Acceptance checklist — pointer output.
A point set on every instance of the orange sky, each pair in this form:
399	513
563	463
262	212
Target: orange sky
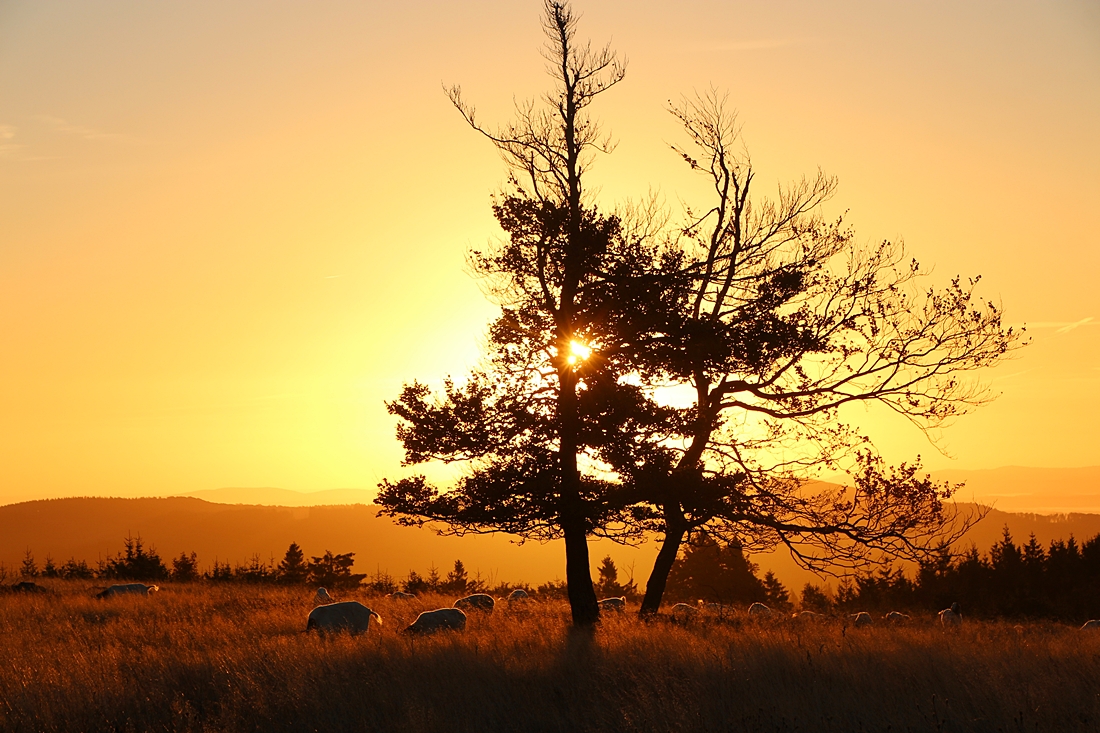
229	231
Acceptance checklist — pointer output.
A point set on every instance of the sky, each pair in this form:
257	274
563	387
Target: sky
229	231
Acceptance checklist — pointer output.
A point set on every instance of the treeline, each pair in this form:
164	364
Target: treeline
138	562
1061	581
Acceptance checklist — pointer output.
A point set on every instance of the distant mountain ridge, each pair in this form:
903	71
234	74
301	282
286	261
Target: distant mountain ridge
269	496
93	528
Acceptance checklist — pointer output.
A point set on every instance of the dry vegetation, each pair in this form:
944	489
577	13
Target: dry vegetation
199	657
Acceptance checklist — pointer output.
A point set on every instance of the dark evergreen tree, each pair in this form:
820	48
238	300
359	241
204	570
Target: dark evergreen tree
135	563
28	568
815	599
716	573
185	568
776	594
293	569
49	570
457	580
334	571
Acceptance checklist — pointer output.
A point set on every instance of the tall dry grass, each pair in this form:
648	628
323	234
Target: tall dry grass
213	658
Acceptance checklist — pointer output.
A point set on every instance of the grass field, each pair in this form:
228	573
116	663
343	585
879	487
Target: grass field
226	657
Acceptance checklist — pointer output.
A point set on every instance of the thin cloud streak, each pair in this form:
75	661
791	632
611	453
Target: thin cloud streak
60	125
756	45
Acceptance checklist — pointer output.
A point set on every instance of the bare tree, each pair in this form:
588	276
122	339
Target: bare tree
789	320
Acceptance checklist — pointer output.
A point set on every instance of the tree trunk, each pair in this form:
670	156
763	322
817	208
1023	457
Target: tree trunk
670	548
578	577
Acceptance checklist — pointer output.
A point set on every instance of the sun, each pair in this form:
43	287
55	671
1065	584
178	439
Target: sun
578	351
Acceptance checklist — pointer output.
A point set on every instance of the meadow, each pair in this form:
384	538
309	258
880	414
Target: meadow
228	657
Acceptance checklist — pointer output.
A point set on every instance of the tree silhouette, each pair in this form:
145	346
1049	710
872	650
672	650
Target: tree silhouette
541	420
715	573
293	568
334	571
185	568
788	320
771	316
135	563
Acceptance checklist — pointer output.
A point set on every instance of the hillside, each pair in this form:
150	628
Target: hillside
92	528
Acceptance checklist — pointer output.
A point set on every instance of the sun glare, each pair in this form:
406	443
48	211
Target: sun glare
577	352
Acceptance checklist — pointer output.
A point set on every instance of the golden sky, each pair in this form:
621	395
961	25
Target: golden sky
230	230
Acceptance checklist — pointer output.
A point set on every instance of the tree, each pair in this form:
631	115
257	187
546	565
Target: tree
531	421
774	318
293	569
712	572
608	584
28	568
790	319
775	593
457	579
185	568
815	599
135	563
334	571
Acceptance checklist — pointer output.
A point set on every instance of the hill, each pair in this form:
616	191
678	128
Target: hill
93	528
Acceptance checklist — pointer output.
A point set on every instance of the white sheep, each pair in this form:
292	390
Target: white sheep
951	616
806	615
139	589
322	596
1093	624
350	616
613	604
684	611
759	609
861	619
518	595
895	617
476	602
441	619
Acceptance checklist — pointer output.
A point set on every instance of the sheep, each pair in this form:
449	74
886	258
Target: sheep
806	615
441	619
476	602
400	596
613	604
27	587
684	611
139	589
1093	624
951	616
759	609
323	596
861	619
518	595
894	617
351	616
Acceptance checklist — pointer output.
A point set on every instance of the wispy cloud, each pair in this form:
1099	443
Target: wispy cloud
7	147
755	44
88	133
1065	326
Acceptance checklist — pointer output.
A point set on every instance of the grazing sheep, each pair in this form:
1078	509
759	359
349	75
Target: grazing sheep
613	604
476	602
861	619
806	615
350	616
684	611
401	596
759	609
518	595
951	616
139	589
894	617
27	587
323	596
441	619
1093	624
